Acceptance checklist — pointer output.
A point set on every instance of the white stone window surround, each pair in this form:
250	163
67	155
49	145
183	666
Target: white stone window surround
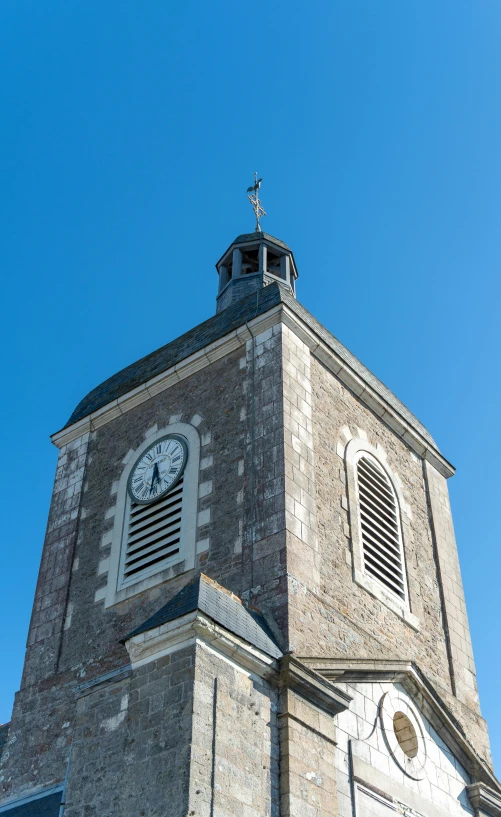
391	703
356	448
187	551
438	790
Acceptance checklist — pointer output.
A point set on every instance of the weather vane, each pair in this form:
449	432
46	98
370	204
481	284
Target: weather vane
254	200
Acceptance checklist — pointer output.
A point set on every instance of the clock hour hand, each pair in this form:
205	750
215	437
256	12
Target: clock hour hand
155	477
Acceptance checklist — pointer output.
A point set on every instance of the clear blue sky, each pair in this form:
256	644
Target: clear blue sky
130	131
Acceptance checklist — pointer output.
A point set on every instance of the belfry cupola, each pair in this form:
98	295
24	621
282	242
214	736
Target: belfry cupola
254	260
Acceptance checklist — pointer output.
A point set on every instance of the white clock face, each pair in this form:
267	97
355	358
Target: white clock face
158	469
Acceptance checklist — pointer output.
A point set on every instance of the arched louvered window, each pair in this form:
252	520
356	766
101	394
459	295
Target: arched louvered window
380	528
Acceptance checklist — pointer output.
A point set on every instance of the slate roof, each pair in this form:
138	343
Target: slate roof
224	608
217	327
47	806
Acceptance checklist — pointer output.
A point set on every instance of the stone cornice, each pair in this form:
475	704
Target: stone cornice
192	628
238	338
287	672
361	670
311	685
484	799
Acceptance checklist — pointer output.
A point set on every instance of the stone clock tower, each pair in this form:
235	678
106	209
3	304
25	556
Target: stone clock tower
249	599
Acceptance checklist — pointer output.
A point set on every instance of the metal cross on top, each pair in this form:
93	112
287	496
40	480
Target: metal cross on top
258	208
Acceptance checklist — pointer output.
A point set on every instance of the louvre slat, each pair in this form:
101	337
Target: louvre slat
162	511
153	563
380	571
388	582
381	543
371	477
379	498
142	511
377	495
377	558
146	560
379	508
379	525
391	564
371	465
165	535
166	521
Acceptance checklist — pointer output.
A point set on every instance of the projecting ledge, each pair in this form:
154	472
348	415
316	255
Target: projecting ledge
484	799
297	677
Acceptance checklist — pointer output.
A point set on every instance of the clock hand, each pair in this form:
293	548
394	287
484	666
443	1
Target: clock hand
155	477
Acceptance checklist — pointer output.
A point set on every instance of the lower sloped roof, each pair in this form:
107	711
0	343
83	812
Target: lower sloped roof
222	606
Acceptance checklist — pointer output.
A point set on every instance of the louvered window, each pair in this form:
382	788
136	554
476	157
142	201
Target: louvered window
153	535
380	526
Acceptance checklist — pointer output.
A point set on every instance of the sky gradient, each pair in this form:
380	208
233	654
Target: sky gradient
130	133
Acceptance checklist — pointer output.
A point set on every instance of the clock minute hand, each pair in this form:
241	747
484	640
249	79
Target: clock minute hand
155	477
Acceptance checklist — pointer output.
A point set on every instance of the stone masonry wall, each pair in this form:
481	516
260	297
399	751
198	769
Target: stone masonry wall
39	741
212	401
308	783
131	746
303	558
234	756
356	624
456	619
264	578
39	736
240	540
280	538
49	607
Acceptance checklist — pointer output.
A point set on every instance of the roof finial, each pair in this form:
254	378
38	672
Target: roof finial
254	200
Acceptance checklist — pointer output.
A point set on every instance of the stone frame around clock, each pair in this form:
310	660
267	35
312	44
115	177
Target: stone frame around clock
185	560
184	444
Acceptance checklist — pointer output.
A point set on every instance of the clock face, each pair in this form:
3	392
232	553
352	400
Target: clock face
158	469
